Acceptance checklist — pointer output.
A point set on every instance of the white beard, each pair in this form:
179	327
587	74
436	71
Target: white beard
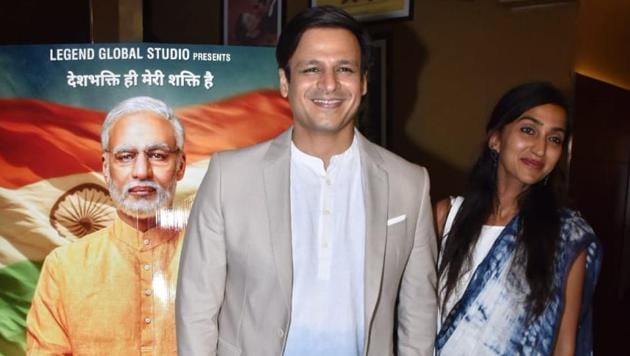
143	207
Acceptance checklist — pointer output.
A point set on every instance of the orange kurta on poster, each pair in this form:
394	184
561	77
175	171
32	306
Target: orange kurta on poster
112	292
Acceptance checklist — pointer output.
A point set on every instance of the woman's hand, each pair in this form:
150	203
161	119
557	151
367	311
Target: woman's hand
565	343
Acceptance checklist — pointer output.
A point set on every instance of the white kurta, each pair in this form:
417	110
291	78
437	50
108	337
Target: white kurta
328	242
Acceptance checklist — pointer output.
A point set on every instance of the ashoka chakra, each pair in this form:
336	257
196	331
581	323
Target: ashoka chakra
82	210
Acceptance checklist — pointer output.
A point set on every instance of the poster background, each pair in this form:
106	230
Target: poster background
50	139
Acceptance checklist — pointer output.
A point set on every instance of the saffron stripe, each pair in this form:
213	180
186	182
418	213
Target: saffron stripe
40	140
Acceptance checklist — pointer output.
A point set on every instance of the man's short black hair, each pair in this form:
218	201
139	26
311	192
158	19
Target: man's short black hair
318	17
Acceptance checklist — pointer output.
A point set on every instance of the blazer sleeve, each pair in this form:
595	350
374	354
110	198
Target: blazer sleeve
46	331
202	270
417	308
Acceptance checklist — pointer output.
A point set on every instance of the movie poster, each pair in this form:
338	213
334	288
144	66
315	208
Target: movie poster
53	99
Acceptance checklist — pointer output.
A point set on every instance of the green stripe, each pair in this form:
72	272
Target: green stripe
17	284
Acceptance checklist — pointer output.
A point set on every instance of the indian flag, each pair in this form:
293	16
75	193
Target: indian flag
52	191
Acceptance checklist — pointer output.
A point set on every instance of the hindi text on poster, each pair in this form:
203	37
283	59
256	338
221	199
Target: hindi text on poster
107	78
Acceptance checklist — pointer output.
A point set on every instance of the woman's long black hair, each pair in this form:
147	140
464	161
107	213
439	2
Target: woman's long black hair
538	206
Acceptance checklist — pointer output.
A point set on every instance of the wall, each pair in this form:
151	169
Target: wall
603	50
453	62
190	21
33	21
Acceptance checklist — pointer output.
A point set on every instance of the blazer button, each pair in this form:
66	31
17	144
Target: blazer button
280	332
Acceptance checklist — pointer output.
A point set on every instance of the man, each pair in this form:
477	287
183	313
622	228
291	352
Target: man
317	242
113	291
258	24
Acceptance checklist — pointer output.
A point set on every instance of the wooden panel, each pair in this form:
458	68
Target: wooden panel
34	21
192	21
599	189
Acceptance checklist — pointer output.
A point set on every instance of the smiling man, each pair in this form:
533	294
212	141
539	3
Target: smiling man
113	291
316	242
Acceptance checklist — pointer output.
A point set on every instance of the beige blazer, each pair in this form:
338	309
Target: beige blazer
235	277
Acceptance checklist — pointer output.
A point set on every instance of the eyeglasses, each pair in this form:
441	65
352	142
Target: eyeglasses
156	156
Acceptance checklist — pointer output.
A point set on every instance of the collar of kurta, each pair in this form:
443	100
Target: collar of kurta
139	240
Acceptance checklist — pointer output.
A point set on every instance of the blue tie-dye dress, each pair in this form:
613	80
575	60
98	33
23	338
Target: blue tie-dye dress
491	316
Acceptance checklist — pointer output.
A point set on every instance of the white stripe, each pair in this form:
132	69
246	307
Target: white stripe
25	229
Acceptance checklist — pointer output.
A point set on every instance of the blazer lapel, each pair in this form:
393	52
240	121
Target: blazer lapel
375	195
277	194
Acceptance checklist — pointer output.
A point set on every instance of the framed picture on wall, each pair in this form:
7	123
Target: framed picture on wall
372	10
373	118
251	22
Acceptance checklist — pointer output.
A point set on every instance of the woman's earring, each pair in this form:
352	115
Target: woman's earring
494	155
546	180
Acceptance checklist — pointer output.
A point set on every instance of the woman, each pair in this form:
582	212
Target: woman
517	271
